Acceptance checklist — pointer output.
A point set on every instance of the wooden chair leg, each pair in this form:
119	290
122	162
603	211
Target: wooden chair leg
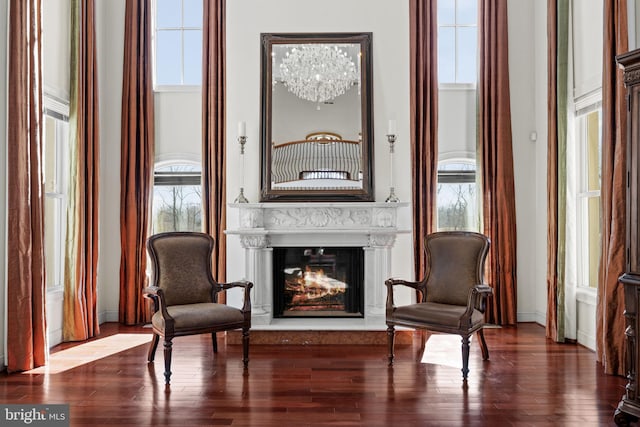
245	347
152	347
167	359
391	332
483	345
465	357
214	340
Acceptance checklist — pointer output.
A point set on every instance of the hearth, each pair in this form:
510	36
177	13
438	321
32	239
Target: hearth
318	282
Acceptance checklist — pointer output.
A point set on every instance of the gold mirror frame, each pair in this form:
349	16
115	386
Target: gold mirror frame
365	191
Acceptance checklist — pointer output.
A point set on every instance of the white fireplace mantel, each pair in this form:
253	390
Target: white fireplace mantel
372	226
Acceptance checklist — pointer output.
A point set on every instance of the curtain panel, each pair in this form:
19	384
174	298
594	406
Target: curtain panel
496	160
214	161
610	322
81	261
136	163
423	32
557	69
26	321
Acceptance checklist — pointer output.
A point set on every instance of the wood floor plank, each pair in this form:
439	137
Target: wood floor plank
529	381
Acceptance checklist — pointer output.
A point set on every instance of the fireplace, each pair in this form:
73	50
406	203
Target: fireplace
368	229
318	282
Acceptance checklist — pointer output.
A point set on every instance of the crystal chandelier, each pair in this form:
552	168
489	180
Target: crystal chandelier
318	72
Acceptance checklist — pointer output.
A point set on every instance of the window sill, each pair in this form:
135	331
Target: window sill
467	87
177	88
586	295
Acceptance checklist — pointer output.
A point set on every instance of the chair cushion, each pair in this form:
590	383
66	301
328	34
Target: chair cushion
436	314
202	315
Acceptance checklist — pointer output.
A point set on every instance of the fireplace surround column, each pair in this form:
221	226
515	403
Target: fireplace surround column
258	270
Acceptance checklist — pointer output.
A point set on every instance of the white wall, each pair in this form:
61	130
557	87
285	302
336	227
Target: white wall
523	122
110	39
539	225
388	21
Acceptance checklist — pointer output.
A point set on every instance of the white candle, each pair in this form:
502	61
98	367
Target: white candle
392	127
242	129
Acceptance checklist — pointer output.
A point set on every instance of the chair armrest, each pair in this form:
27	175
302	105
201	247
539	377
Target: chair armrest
246	308
477	300
390	283
156	294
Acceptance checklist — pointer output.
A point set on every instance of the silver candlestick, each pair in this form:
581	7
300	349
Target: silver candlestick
392	195
241	199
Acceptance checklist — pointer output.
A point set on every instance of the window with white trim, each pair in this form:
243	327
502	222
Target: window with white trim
55	140
178	43
589	142
177	198
457	41
457	196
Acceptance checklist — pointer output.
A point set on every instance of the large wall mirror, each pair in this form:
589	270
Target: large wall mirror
317	139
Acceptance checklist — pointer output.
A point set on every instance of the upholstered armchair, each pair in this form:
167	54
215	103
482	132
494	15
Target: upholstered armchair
185	294
452	296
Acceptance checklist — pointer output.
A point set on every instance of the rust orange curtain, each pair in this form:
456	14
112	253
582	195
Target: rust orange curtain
496	160
610	322
136	163
424	123
26	320
214	162
80	293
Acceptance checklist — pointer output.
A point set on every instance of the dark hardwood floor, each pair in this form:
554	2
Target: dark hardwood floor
529	381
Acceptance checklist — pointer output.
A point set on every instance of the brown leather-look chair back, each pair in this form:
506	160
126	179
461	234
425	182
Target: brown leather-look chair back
455	265
182	265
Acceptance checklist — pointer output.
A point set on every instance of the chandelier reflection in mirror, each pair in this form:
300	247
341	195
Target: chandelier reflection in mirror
318	72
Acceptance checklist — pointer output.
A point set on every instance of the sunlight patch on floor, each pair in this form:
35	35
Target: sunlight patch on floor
91	351
443	349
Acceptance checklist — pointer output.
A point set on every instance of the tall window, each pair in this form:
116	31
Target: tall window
177	198
456	197
178	42
588	206
55	141
457	41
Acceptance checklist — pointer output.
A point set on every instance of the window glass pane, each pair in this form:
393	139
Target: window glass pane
192	13
446	12
593	237
457	201
467	12
168	13
177	207
593	151
168	57
51	241
193	57
50	156
466	60
457	207
446	52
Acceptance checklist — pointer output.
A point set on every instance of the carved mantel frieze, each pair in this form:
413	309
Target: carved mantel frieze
277	217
